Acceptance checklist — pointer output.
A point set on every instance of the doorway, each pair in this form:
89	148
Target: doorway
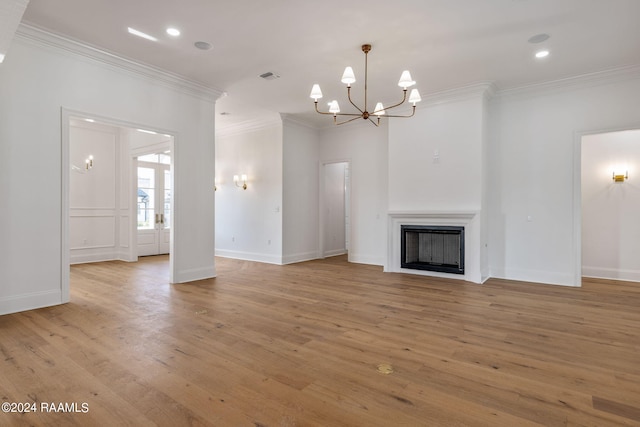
99	213
610	202
335	208
154	190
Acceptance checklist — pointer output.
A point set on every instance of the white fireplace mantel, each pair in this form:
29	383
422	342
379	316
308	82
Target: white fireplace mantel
467	219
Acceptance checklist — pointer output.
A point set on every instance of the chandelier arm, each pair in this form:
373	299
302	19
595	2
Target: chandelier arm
335	114
376	124
347	121
352	103
404	98
410	115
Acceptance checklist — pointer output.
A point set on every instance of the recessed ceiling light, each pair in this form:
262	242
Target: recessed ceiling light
203	45
542	54
141	34
89	120
173	32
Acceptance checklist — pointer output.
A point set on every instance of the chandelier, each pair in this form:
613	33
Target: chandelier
379	110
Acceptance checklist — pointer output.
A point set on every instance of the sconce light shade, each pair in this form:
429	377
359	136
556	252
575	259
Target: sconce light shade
620	177
237	180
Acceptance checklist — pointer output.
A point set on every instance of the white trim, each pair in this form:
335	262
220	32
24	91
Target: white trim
608	76
296	121
250	256
611	274
577	195
535	276
299	257
334	252
65	45
30	301
247	126
366	259
95	257
193	275
462	93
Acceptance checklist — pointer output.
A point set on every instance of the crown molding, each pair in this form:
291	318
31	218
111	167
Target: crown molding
292	119
463	93
40	37
247	126
602	77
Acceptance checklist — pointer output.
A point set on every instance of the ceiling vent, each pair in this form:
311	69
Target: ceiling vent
269	76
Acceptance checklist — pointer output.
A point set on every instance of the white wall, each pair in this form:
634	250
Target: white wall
365	147
610	220
435	158
534	166
44	74
249	222
300	192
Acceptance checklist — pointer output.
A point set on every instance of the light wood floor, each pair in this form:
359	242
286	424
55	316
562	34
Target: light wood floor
303	345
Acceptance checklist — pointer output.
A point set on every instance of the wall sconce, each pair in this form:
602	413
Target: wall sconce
88	164
620	177
237	180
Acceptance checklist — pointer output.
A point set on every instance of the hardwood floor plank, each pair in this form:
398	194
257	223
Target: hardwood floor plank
269	345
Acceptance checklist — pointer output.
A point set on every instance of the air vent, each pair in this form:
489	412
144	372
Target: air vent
269	76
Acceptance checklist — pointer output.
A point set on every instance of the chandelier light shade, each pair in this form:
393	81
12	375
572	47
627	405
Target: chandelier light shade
348	78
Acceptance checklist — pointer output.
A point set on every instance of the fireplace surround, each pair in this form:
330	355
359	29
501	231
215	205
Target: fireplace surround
469	220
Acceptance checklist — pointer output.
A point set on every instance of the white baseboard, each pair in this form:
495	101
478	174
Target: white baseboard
366	259
250	256
334	252
191	275
611	273
300	257
536	276
30	301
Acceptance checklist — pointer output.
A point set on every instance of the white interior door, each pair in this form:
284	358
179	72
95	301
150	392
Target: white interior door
154	204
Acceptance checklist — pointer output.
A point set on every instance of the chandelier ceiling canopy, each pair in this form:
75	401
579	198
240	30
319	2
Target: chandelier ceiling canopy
348	77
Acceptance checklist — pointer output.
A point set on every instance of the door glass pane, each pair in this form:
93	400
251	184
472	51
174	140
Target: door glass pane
164	158
167	199
146	198
151	158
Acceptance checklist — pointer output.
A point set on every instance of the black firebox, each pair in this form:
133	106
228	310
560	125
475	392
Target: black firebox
432	248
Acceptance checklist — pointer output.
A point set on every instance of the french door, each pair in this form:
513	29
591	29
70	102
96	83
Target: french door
154	204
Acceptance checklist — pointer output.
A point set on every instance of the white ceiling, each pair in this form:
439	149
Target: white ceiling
444	43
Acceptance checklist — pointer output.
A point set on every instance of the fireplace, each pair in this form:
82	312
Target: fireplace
432	248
